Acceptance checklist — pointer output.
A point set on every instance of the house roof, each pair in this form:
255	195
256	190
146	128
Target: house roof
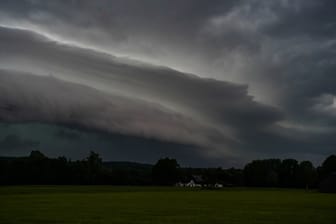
197	178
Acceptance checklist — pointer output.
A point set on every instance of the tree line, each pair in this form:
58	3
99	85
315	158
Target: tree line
39	169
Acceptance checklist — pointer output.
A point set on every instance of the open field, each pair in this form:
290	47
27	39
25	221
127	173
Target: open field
104	204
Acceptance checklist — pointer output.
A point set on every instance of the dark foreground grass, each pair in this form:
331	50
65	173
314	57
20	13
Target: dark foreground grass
103	204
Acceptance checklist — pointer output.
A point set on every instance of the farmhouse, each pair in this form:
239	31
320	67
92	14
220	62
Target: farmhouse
194	181
198	181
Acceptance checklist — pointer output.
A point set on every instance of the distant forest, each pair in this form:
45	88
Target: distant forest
39	169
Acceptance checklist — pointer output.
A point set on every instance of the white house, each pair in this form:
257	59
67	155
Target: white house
218	185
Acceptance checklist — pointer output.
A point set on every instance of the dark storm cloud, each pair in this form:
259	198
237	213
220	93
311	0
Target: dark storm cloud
14	142
135	98
46	99
220	101
312	18
287	57
280	52
112	147
68	135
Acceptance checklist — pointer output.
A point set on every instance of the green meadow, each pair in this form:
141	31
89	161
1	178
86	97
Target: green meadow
105	204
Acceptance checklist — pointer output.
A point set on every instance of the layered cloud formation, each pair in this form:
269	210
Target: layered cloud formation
229	79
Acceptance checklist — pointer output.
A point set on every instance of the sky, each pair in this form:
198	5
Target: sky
210	83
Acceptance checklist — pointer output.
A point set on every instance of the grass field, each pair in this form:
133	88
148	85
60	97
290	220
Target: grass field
104	204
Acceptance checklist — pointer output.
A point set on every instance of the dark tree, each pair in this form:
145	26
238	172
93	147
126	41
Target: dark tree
94	167
328	166
306	174
262	173
327	175
39	169
166	172
288	172
95	163
37	155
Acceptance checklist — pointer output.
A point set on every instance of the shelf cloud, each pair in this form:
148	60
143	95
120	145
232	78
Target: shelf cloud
231	80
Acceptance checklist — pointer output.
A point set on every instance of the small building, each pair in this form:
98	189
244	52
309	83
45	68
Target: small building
218	185
192	183
180	184
195	181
